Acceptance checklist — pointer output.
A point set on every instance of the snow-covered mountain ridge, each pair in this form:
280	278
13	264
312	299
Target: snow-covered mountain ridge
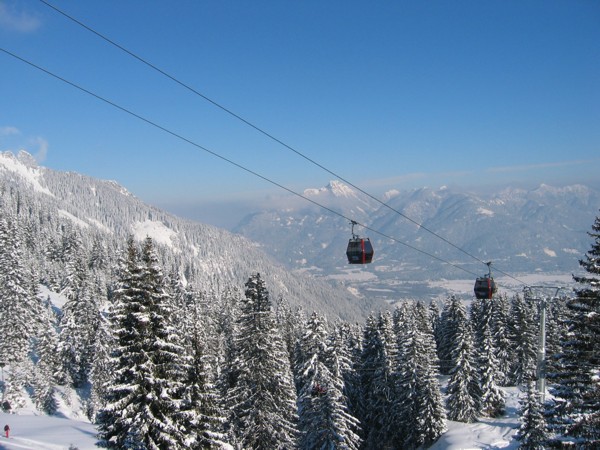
523	232
210	257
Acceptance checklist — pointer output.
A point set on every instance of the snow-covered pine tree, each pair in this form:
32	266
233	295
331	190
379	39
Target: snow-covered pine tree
556	329
20	311
103	367
377	387
346	342
523	331
19	308
202	400
324	421
227	315
532	433
98	260
263	397
291	323
49	369
418	407
448	329
502	342
492	397
78	327
464	393
143	404
435	319
577	390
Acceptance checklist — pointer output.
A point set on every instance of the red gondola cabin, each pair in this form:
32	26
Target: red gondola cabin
359	251
485	287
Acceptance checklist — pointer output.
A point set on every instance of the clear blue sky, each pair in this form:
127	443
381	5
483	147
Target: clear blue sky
390	95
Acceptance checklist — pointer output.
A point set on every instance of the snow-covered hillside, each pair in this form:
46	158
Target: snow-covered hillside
105	211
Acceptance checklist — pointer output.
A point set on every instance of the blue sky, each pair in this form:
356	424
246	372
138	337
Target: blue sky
389	95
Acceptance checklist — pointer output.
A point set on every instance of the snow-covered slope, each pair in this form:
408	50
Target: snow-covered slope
213	258
53	433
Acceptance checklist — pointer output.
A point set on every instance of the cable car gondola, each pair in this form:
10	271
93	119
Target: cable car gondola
360	250
485	286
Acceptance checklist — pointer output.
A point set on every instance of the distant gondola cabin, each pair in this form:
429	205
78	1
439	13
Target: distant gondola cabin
485	287
359	251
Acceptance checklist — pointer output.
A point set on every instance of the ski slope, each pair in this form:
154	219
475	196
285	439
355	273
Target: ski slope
34	432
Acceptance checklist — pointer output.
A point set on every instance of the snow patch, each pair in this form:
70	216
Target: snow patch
354	291
100	225
72	218
158	231
32	175
120	189
353	275
57	300
487	433
485	212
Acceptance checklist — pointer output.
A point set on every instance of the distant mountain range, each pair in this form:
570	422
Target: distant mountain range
213	259
537	234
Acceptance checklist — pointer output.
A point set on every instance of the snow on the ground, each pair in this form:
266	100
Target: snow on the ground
38	432
46	433
486	434
157	230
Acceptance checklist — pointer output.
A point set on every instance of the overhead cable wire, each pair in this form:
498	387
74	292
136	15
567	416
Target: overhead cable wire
268	135
265	133
221	157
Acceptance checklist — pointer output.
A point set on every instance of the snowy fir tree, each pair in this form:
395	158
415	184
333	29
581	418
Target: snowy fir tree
19	308
102	368
144	399
523	331
464	393
345	342
492	397
291	323
227	318
532	433
448	330
263	397
49	369
576	407
202	399
377	387
418	407
556	330
20	312
324	421
79	323
435	319
502	340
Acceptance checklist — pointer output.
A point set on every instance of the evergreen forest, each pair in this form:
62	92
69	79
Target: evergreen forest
162	362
